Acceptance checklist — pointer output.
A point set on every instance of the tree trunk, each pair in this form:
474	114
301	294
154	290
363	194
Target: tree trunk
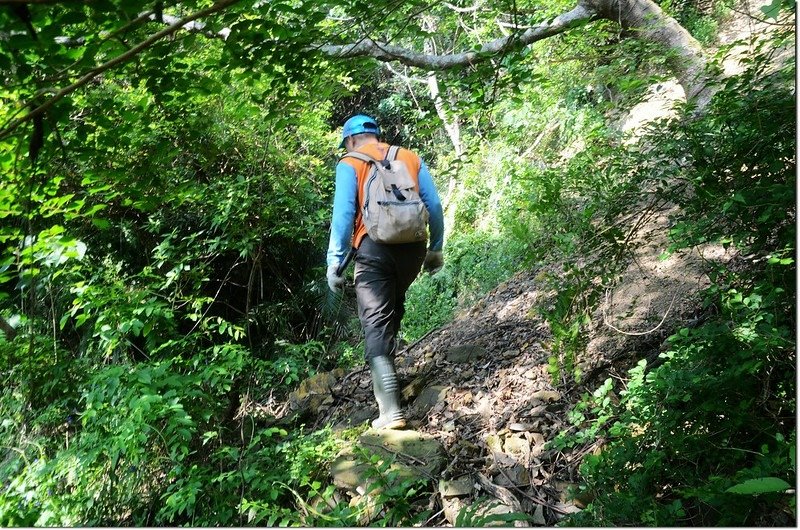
453	129
6	328
645	19
451	124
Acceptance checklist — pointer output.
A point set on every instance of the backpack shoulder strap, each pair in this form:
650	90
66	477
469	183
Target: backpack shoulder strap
359	156
392	154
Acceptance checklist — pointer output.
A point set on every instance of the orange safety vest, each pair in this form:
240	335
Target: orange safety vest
363	169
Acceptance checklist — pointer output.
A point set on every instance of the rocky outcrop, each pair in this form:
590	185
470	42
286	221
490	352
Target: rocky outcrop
313	395
408	455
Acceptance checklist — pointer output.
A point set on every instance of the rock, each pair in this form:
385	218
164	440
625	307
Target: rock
457	487
452	506
519	447
546	395
480	514
516	475
415	455
413	389
538	516
428	398
494	443
315	391
510	354
357	417
466	353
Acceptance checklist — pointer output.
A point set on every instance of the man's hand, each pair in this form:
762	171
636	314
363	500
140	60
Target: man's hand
335	282
434	260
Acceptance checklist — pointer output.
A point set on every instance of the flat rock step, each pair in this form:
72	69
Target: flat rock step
413	455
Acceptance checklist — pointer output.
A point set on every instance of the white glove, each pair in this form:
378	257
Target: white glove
434	260
334	282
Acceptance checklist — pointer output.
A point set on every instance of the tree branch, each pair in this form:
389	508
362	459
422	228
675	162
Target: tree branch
44	2
407	79
120	59
141	18
457	9
789	19
388	52
192	27
196	27
644	18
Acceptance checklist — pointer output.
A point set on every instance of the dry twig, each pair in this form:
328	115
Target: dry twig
635	333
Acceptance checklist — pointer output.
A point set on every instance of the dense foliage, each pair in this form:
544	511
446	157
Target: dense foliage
706	434
163	229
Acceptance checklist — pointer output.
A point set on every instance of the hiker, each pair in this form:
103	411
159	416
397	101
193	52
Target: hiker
383	271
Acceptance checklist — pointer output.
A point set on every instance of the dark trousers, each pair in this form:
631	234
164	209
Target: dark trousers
383	274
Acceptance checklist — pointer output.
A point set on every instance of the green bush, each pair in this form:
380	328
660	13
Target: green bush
705	435
474	264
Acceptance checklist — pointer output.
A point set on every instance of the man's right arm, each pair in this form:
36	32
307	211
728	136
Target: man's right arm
344	213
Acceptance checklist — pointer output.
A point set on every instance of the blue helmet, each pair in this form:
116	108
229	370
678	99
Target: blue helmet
359	124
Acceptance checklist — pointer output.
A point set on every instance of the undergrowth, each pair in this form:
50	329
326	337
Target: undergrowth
706	436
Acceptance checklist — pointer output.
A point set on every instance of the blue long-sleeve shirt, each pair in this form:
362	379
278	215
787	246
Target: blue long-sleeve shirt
345	198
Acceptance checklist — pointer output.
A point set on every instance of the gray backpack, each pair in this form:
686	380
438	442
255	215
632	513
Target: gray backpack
393	211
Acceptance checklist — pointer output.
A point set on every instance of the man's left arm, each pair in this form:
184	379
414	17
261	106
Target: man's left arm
429	195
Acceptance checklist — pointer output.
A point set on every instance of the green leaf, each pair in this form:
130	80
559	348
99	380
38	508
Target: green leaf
758	486
772	10
102	224
143	376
